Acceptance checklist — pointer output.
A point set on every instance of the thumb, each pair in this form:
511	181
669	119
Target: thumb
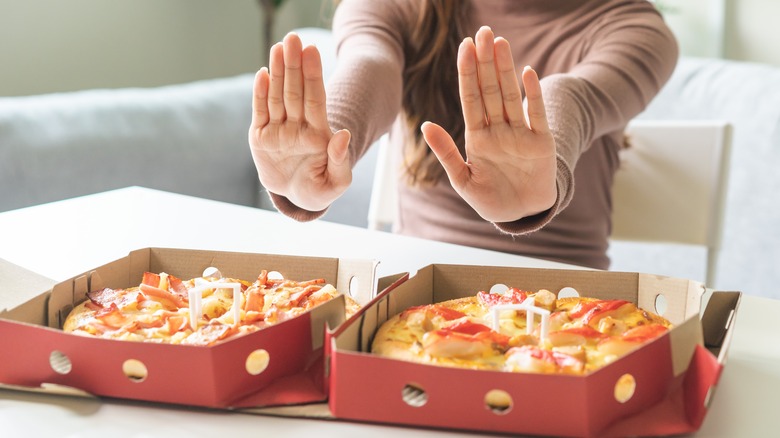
339	164
445	149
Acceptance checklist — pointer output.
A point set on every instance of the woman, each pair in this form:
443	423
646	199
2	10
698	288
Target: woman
475	170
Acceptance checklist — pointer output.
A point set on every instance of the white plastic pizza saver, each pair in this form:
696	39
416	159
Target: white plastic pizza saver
530	311
196	293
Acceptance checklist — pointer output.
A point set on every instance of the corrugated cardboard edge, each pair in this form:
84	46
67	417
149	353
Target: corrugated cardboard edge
718	321
21	288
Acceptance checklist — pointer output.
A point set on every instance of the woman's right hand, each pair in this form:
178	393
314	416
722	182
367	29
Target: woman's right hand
296	153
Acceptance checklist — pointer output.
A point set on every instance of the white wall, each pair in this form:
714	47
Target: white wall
62	45
744	30
753	31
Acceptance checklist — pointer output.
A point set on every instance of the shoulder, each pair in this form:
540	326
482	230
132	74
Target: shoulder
386	15
632	19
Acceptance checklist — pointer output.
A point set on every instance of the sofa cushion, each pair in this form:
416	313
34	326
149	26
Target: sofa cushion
189	138
748	96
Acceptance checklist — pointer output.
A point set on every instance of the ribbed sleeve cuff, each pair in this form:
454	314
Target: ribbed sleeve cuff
291	210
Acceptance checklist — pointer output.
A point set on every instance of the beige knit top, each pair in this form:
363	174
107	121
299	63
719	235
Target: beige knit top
600	64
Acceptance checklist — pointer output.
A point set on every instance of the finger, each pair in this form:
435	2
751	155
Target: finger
276	110
339	165
260	99
314	108
293	77
537	115
446	151
468	86
488	79
510	87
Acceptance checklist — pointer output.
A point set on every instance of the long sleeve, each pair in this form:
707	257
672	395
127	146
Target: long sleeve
364	91
630	55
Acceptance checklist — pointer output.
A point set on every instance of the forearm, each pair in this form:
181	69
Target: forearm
601	95
365	92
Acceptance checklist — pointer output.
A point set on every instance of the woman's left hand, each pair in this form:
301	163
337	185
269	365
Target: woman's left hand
510	167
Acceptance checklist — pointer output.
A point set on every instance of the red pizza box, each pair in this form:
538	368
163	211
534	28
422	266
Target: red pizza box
673	376
279	365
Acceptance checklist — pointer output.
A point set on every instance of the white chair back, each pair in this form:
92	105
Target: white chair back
671	185
383	206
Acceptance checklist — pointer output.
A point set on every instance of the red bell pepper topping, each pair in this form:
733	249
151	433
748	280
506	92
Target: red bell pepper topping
473	331
588	310
586	332
644	333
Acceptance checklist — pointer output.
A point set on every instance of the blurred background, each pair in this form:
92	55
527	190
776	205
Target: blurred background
53	45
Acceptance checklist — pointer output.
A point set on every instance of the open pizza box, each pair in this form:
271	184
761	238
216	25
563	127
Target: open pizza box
674	376
279	365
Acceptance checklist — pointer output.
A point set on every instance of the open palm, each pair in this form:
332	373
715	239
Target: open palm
295	152
510	167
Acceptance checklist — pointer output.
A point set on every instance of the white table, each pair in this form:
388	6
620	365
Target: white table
62	239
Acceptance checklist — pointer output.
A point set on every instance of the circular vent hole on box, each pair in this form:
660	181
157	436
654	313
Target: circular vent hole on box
625	388
414	395
212	272
661	304
499	289
257	361
135	370
275	275
354	286
60	363
498	401
568	292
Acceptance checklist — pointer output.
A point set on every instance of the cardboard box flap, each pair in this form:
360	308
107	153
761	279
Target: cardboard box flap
684	339
18	285
356	273
718	322
675	299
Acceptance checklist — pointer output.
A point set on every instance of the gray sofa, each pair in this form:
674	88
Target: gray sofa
192	139
189	138
748	96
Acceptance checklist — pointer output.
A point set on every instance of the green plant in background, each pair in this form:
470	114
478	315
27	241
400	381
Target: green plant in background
269	15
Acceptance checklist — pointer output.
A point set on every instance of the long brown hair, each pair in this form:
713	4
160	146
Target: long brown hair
431	84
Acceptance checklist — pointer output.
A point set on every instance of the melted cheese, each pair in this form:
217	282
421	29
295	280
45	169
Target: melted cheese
146	319
580	341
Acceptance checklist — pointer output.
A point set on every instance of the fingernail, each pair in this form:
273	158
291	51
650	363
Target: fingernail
526	68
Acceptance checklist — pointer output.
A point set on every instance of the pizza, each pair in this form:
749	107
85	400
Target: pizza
490	331
200	311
